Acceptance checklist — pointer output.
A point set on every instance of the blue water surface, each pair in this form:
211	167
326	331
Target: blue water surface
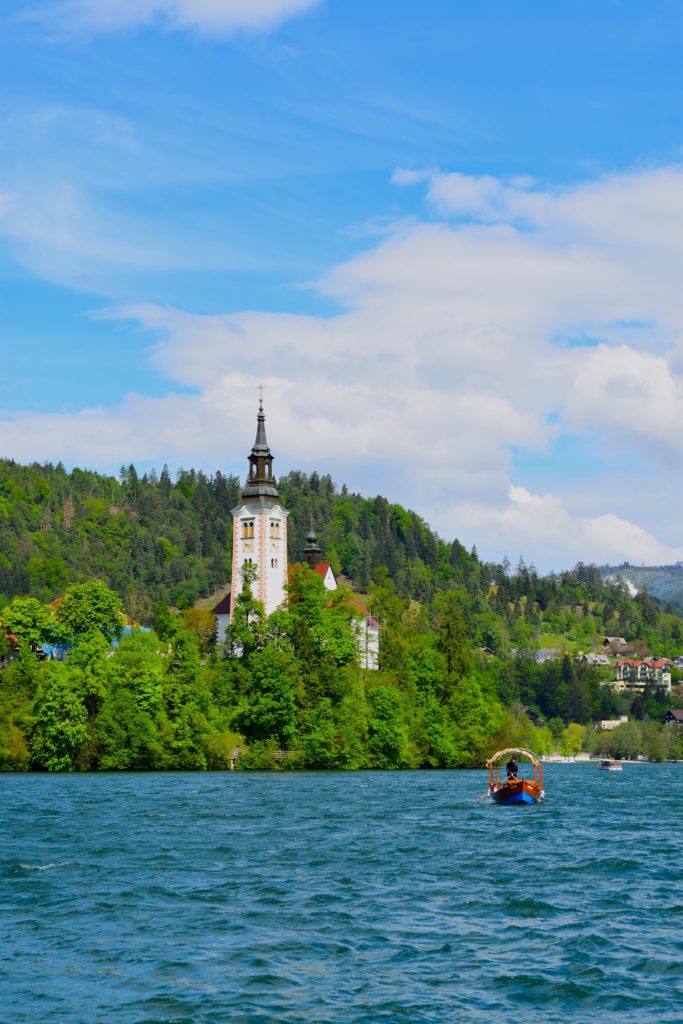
252	898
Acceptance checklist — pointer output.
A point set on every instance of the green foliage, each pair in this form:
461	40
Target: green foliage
321	742
269	710
387	733
318	623
15	726
246	632
28	620
126	735
203	625
90	607
288	689
59	723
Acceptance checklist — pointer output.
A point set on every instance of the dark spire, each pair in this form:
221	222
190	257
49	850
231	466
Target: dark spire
260	444
260	480
312	552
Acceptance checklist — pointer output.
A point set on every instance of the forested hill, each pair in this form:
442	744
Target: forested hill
154	539
663	582
157	539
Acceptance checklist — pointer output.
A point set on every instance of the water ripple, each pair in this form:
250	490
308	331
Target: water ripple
253	898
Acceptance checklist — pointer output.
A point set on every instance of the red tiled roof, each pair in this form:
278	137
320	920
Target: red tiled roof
647	663
321	569
369	618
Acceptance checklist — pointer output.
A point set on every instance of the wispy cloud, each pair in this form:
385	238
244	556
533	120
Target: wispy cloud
215	17
73	181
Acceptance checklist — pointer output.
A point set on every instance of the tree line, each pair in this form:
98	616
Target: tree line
286	690
458	670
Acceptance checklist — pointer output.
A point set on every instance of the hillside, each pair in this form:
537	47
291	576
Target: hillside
663	582
465	647
153	539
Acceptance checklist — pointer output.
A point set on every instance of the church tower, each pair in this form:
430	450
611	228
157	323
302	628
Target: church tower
259	528
312	552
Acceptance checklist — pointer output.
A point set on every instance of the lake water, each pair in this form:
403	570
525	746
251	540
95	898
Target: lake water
253	898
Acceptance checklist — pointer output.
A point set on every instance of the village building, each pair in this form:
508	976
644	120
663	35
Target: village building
673	717
597	660
631	674
614	644
608	724
540	655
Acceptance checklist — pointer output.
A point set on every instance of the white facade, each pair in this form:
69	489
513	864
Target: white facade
260	538
365	629
222	623
608	724
329	581
367	640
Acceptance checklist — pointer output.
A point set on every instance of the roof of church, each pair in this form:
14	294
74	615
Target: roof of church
367	615
260	446
223	606
321	569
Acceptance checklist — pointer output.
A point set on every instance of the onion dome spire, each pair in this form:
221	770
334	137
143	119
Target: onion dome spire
312	552
260	479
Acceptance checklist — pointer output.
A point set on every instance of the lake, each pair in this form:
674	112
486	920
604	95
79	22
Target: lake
250	898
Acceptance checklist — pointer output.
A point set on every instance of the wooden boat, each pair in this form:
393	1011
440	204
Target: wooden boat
519	790
610	764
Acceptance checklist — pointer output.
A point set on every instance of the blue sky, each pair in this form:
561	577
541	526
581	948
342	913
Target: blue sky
451	228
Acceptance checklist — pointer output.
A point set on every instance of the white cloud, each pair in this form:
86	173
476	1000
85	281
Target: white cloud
529	522
209	16
452	352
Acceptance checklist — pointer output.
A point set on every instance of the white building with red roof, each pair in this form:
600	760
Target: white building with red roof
366	627
633	674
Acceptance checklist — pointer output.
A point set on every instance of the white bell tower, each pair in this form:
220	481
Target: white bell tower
259	528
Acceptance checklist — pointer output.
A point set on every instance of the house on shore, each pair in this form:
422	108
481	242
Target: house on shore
634	675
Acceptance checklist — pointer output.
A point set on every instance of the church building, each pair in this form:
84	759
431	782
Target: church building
259	539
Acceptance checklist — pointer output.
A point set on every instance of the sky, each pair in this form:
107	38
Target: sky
446	237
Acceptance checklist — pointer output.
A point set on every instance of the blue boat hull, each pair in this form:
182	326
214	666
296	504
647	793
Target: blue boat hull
521	791
515	798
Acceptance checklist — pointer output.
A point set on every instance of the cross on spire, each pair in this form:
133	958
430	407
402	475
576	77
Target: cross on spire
260	390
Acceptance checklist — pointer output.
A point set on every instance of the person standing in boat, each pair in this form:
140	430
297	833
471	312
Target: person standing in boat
512	768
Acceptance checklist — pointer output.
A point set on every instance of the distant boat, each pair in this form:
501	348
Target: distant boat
609	764
515	790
